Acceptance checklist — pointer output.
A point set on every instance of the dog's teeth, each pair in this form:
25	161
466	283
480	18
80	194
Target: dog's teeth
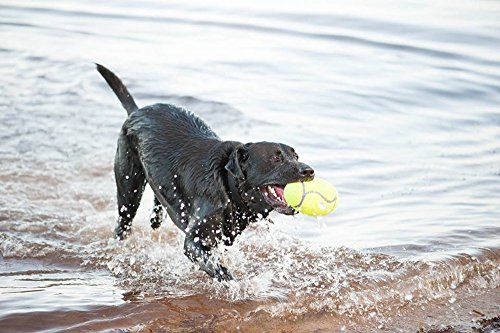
271	189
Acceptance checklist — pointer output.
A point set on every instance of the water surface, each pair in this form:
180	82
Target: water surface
394	102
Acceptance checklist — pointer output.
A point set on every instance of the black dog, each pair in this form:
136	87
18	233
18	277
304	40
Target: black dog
211	189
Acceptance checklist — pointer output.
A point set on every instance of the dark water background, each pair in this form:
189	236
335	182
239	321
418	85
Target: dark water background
397	103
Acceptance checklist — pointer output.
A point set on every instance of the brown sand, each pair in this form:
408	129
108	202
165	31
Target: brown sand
477	313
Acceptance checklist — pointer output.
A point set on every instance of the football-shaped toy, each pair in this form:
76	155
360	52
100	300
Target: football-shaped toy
315	198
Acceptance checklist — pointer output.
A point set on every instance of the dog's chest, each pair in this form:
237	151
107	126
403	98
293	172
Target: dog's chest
235	223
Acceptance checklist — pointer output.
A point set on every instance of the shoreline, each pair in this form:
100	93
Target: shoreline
440	316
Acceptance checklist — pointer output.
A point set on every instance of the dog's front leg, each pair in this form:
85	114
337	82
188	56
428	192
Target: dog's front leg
201	237
201	255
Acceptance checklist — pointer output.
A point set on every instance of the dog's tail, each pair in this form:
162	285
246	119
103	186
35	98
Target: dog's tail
119	88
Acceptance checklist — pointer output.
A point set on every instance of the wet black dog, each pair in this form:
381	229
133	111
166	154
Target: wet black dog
211	189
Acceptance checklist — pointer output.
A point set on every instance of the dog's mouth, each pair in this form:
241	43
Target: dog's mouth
273	195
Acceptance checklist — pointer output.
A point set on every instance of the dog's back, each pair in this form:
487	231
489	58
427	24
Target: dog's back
156	145
167	120
168	139
186	122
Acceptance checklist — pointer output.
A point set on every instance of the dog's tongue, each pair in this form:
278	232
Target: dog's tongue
279	191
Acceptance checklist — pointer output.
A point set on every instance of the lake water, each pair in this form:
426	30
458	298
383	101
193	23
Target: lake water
397	103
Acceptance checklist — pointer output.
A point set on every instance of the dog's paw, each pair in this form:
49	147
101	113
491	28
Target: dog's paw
155	222
156	217
121	233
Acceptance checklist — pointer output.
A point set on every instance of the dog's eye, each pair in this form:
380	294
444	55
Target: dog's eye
277	158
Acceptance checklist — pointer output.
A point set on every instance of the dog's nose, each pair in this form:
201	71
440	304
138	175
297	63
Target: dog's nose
306	171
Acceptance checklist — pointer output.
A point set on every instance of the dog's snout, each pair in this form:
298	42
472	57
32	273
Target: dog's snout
306	171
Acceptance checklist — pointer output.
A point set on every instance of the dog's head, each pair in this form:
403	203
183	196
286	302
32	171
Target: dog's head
262	170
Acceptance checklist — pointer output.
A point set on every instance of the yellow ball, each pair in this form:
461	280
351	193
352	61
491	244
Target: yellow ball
315	198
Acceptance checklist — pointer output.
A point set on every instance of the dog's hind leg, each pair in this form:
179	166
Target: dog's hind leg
157	214
130	183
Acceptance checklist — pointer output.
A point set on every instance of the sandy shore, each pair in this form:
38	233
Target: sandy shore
478	313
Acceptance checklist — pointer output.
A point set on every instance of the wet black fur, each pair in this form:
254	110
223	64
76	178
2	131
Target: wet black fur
210	188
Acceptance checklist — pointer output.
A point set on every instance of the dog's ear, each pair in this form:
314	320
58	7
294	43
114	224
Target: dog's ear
236	159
